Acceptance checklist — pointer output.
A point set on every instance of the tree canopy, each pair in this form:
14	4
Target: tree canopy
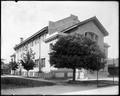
76	51
27	61
13	65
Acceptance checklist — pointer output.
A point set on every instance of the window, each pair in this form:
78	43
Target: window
20	55
96	37
23	48
42	62
37	63
36	41
50	47
32	43
20	49
92	36
43	37
26	47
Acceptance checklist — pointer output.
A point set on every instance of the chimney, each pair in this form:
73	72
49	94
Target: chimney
21	40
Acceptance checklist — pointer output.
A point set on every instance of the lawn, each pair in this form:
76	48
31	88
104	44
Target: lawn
14	82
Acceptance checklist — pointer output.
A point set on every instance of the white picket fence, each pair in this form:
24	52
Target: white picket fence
53	74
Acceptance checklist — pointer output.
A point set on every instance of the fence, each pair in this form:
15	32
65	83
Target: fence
53	74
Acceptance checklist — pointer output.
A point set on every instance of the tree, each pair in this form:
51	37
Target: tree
5	67
76	51
2	66
13	65
27	61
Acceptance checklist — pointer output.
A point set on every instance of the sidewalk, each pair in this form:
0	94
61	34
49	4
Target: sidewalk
63	89
100	91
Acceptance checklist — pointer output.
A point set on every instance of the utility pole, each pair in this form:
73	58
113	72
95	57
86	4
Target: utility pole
39	53
97	78
113	70
97	73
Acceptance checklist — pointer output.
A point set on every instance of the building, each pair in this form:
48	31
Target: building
13	57
113	67
5	69
41	41
113	62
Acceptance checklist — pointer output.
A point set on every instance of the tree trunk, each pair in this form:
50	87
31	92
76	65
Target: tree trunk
27	73
14	72
74	73
20	72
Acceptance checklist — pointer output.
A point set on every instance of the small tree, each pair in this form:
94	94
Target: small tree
13	66
27	61
76	51
2	66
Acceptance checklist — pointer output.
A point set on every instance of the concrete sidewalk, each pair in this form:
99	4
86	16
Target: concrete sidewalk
99	91
63	89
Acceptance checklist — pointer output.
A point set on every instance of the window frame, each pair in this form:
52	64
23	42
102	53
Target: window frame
43	62
92	36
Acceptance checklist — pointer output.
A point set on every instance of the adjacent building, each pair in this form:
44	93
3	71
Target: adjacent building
113	67
41	41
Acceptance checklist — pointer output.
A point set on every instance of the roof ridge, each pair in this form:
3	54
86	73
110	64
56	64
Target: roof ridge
38	32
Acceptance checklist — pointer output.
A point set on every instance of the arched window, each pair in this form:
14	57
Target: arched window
91	35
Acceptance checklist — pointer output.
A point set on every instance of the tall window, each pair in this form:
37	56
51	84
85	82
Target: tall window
31	43
36	62
50	47
43	36
42	62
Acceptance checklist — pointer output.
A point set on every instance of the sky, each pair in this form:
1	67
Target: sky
24	18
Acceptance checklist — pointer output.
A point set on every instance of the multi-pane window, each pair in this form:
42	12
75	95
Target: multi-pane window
36	62
42	62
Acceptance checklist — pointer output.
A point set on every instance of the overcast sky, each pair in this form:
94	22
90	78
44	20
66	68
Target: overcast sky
24	18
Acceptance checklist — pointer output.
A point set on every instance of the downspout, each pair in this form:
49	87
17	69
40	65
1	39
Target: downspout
39	53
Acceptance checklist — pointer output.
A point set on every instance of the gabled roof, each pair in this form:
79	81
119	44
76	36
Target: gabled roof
99	25
95	20
31	37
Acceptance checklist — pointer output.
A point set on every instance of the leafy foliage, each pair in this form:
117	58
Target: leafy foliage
27	61
76	51
13	65
5	69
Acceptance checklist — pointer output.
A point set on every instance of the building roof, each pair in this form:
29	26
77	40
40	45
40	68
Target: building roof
95	20
31	37
45	29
